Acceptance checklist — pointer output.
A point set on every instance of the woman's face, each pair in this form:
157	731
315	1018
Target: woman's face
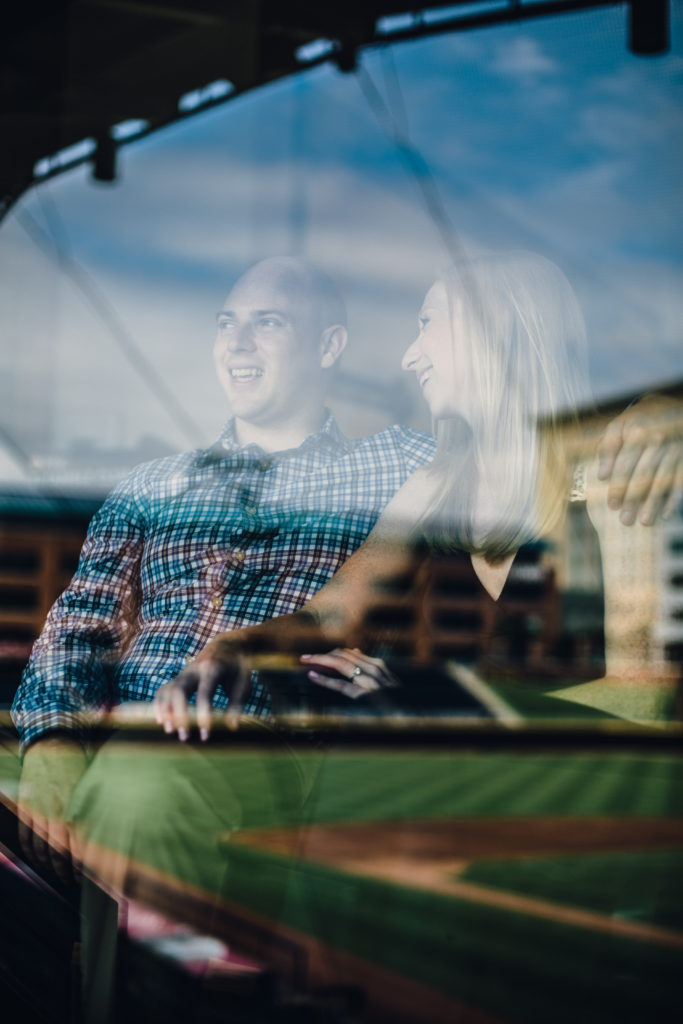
439	356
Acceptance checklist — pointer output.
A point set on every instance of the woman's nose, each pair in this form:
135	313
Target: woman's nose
411	356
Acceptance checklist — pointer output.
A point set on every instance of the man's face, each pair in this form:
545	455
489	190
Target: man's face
267	349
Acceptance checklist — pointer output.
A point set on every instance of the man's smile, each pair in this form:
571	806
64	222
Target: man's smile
244	374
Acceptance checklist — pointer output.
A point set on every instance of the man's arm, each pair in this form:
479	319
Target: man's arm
68	679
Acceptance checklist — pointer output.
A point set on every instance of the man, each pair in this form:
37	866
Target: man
210	540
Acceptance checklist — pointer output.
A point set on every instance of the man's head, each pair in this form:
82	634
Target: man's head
281	329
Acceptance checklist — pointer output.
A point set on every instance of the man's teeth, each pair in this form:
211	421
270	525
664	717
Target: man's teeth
246	374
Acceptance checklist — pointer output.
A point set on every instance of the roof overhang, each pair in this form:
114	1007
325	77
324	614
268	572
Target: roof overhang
83	77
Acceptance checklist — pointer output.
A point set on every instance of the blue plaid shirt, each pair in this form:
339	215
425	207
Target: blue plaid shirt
194	544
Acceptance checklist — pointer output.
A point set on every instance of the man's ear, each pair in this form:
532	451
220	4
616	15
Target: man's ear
332	344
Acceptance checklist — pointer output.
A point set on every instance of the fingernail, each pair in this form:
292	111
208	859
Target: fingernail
305	657
168	727
315	676
203	735
647	518
182	734
627	516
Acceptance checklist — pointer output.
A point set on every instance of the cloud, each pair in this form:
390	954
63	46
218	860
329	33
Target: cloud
577	160
523	57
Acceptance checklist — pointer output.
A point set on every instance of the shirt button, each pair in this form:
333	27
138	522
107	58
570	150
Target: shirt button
251	509
239	556
264	465
217	601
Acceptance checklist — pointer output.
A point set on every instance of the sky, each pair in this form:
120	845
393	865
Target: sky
545	135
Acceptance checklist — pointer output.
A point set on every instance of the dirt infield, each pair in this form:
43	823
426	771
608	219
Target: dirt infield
465	839
429	855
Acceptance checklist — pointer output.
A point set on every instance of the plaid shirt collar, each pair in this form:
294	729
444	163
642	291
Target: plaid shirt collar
329	438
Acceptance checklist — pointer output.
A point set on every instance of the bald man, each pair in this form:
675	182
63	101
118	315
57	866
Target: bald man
206	541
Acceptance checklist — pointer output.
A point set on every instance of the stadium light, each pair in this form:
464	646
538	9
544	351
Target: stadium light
104	160
649	27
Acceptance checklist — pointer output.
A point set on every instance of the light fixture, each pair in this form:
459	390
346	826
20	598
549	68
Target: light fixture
649	27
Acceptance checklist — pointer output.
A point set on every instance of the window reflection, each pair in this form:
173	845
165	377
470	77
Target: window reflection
493	821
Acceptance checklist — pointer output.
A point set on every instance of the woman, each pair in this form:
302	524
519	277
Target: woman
501	347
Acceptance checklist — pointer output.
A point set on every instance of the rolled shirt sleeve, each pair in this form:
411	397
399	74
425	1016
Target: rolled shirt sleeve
68	680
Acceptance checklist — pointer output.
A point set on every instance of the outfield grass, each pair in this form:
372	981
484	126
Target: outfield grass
530	700
638	886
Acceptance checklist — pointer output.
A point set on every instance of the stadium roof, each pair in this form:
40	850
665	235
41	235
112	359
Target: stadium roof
82	77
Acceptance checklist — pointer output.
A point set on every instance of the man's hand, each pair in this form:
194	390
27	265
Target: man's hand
51	771
641	455
212	668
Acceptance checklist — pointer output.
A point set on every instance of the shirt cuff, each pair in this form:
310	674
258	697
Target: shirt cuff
34	725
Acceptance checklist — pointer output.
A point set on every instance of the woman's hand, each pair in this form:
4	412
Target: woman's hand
640	455
355	674
214	667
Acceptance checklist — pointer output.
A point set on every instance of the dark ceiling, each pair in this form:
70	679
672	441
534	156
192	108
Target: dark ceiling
73	69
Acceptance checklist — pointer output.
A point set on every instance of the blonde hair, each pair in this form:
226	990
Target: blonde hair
526	339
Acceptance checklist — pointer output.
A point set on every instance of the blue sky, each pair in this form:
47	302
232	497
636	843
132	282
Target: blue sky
547	135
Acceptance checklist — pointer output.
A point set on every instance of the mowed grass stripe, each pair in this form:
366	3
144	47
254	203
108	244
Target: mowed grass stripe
502	786
560	786
388	785
589	785
619	785
659	790
412	785
486	785
539	785
425	786
346	788
585	786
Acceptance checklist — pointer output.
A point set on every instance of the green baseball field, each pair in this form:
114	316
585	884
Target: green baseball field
477	876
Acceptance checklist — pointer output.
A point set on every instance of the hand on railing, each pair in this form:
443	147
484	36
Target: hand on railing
349	671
